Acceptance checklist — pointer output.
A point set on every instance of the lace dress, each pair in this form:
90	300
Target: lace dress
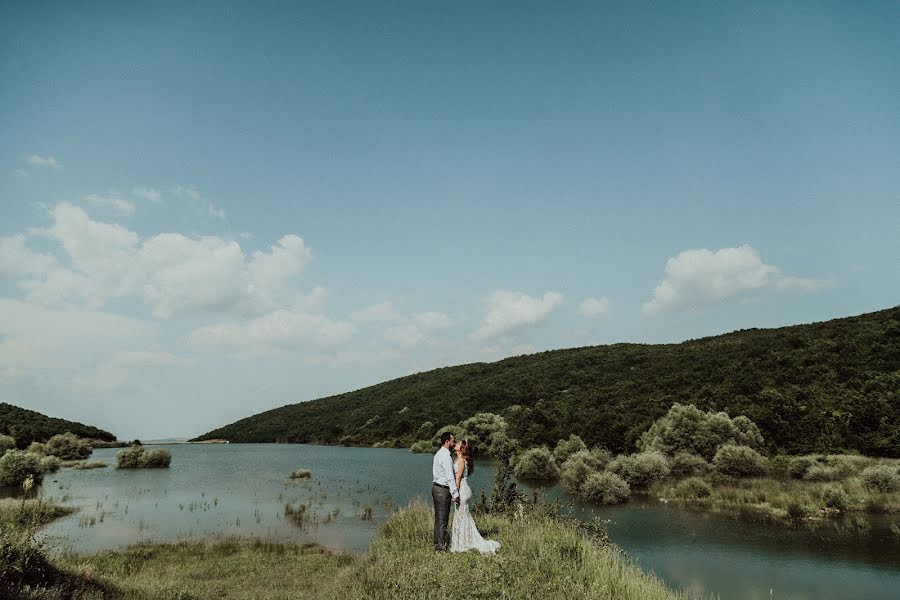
463	534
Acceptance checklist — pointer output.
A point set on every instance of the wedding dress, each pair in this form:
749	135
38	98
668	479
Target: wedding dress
463	534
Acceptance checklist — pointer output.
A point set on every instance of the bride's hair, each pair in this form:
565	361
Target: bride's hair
467	453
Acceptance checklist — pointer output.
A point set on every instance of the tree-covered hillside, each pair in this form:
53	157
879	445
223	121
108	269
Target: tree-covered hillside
28	426
830	386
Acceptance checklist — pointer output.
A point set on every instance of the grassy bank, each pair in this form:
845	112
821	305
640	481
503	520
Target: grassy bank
540	557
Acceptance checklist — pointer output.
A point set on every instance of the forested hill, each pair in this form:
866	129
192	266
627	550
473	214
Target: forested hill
826	386
29	426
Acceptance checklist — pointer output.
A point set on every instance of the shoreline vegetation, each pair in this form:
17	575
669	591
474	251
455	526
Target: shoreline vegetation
544	555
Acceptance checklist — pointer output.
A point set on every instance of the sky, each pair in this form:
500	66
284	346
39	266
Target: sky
211	209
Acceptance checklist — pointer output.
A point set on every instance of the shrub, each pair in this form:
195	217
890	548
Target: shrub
685	464
84	465
68	446
483	430
18	465
640	470
819	472
137	457
37	448
800	465
577	469
797	511
301	474
536	464
602	456
693	487
422	447
740	461
605	487
7	442
686	428
881	478
566	448
836	498
50	464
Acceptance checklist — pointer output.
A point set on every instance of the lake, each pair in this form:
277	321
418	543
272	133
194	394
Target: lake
213	491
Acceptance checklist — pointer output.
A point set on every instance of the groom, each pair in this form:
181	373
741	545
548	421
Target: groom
443	489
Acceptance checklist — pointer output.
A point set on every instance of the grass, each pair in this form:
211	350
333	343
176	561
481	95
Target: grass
14	512
540	557
784	499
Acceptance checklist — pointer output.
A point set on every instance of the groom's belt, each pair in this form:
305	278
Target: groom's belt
440	485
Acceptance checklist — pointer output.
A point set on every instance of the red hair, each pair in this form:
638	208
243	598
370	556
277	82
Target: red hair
465	450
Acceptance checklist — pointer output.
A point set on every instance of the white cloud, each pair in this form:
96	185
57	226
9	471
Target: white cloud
313	301
170	272
147	193
216	212
594	308
144	358
20	173
406	336
431	321
37	160
182	191
699	278
511	312
118	204
382	312
281	329
34	336
16	259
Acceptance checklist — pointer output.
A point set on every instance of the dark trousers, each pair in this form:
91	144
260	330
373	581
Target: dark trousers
441	497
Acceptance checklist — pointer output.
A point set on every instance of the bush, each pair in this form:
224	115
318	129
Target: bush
301	474
37	448
686	428
422	447
819	472
68	446
836	498
137	457
797	511
740	461
577	469
49	464
7	442
881	478
536	464
605	487
602	456
800	465
84	465
566	448
693	488
685	464
18	465
640	470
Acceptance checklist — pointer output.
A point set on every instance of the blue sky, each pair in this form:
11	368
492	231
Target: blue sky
211	210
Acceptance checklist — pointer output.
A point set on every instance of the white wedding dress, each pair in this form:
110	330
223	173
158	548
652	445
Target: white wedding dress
463	534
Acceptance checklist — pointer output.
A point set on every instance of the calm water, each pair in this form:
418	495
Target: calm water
237	489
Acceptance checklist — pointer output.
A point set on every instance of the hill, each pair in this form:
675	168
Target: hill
29	426
822	387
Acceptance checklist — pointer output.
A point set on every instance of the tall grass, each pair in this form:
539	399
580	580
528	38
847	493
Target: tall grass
540	558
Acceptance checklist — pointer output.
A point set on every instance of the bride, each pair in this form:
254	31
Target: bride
464	535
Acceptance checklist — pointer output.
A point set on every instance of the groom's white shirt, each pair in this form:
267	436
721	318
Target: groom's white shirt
442	471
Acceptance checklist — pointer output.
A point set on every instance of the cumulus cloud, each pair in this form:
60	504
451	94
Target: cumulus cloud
383	312
16	259
512	312
36	160
114	202
699	278
170	272
594	308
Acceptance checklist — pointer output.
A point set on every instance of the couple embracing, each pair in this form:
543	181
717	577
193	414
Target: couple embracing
450	486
